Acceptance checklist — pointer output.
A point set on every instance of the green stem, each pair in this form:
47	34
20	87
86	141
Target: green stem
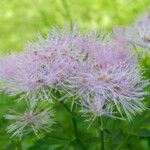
17	144
72	113
75	127
100	121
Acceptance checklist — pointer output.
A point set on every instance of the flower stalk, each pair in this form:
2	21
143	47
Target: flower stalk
72	113
17	144
100	122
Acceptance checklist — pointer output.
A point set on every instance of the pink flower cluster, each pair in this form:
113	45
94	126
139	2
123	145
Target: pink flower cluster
104	73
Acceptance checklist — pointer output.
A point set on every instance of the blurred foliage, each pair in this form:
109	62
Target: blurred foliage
20	21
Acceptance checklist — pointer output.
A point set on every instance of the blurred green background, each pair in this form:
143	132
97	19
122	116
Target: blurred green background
22	20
